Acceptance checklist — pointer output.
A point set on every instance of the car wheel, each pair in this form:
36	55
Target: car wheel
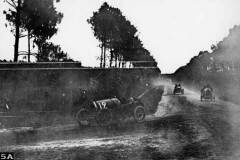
139	113
104	117
83	117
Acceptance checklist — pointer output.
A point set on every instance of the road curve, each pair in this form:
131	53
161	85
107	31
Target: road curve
182	128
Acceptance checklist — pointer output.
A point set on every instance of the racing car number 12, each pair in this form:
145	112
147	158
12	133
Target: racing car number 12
102	105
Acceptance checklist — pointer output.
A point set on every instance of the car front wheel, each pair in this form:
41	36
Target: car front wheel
139	114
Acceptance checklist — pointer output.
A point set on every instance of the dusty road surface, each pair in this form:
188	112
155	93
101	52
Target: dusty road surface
183	128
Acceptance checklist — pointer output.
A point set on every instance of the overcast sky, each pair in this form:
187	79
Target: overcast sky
172	30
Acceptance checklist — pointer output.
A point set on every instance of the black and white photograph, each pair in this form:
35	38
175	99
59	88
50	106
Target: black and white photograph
119	80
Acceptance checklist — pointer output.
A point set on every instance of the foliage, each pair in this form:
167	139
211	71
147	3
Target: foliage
119	36
38	17
41	18
52	53
220	68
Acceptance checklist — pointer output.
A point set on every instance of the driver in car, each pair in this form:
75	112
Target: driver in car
206	86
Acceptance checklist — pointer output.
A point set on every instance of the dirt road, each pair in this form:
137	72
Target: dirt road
183	128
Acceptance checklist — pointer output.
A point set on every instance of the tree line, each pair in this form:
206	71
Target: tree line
120	38
37	20
220	68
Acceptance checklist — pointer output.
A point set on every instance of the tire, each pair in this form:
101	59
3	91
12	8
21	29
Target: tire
104	117
83	117
139	114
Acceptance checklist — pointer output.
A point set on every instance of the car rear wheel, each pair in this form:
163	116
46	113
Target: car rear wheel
83	117
139	114
104	117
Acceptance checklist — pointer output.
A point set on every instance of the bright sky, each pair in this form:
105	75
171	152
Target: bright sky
172	30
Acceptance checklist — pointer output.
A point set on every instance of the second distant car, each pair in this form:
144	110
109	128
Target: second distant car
207	93
178	89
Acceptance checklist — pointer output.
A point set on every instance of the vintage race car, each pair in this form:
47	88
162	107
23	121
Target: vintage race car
207	94
178	89
104	112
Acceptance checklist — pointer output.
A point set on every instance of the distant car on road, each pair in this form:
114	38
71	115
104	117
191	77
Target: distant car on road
207	93
178	89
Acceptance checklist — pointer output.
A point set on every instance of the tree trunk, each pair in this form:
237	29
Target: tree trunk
116	58
104	55
111	57
123	64
17	23
101	58
28	45
119	61
130	63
